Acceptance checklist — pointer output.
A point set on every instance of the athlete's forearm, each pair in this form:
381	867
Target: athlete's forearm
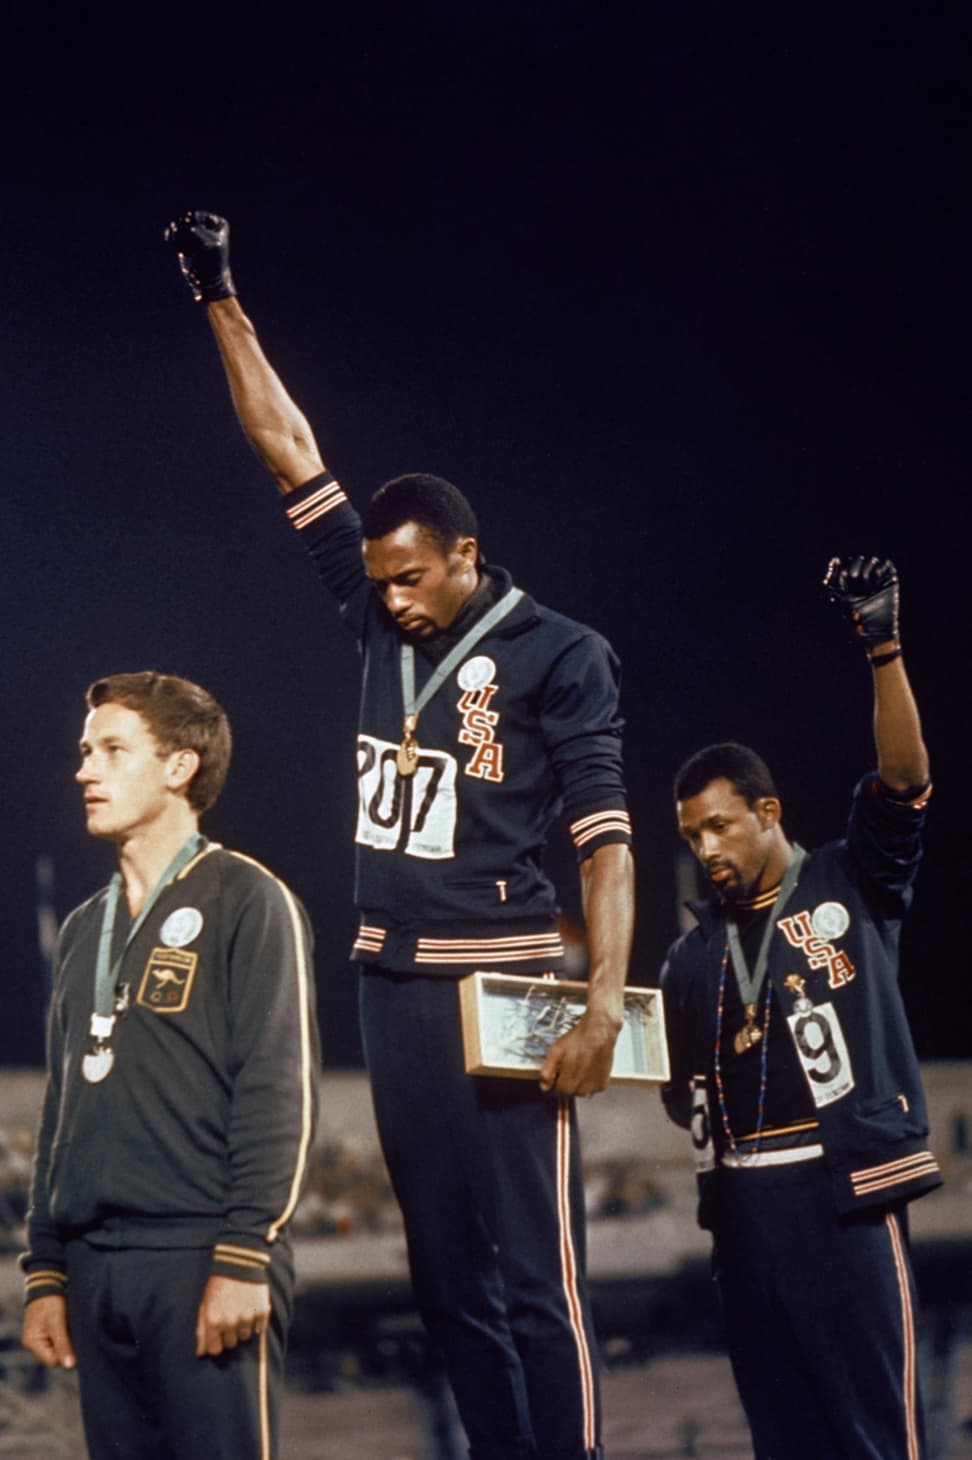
579	1063
902	756
607	888
272	423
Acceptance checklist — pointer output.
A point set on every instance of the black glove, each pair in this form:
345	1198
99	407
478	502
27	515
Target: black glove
202	243
866	592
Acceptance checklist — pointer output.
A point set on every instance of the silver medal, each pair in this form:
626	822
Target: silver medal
97	1063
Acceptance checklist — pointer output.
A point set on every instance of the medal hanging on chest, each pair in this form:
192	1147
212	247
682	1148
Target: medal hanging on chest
406	758
97	1063
749	1034
407	755
750	986
112	999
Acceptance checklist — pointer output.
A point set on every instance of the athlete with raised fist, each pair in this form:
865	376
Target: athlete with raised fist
483	714
793	1067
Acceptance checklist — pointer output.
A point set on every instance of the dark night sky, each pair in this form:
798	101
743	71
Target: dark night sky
677	294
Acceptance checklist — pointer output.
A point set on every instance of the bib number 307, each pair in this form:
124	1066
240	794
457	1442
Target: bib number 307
822	1052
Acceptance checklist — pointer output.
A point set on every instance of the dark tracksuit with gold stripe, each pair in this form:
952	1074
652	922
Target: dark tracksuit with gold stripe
186	1161
811	1250
449	880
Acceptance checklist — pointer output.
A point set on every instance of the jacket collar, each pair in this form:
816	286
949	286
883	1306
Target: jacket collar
493	584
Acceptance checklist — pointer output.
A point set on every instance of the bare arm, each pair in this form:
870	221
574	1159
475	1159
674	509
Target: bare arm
272	423
902	756
580	1062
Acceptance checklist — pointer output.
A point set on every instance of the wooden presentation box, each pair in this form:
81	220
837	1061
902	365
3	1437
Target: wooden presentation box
510	1021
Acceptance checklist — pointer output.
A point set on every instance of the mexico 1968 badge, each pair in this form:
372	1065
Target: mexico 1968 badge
830	920
181	927
476	672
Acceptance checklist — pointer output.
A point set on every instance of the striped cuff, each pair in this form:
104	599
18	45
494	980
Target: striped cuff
44	1282
246	1264
894	1174
600	829
313	501
369	942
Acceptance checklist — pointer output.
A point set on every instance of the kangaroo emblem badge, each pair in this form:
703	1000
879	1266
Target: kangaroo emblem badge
167	981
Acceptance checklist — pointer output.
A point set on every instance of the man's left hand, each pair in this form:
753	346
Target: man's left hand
579	1063
230	1313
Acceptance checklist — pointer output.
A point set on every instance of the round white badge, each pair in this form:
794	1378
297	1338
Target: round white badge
181	926
476	672
830	920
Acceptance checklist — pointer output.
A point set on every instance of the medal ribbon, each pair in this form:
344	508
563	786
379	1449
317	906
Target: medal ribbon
750	984
413	707
106	973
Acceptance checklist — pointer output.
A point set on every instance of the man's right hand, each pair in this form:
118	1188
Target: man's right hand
202	242
45	1332
865	590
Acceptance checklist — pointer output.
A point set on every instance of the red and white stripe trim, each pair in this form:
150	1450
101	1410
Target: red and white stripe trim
328	496
893	1173
487	951
600	823
908	1384
370	940
570	1276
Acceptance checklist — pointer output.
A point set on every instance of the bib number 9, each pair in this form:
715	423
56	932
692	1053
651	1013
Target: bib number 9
822	1052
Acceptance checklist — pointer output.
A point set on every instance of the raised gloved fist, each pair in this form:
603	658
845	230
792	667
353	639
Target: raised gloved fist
202	242
866	592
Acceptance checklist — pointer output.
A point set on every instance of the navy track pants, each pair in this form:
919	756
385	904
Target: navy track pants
820	1318
487	1174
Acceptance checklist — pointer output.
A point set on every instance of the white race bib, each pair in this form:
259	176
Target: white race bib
822	1051
414	814
703	1151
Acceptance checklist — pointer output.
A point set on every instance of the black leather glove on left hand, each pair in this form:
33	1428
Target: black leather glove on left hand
866	592
202	243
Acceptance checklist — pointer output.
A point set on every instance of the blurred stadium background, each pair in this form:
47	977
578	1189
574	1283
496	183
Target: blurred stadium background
361	1381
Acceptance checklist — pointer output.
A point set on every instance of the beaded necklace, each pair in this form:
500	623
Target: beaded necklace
720	1089
751	986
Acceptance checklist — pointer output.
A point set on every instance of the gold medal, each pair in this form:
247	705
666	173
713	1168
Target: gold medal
406	757
748	1035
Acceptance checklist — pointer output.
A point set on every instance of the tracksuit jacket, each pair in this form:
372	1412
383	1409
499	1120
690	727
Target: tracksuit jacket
839	933
448	874
200	1134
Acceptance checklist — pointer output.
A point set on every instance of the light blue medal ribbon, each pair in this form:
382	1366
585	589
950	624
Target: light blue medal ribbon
750	984
408	752
99	1060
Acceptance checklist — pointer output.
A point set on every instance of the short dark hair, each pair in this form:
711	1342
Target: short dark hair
748	772
181	716
435	504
